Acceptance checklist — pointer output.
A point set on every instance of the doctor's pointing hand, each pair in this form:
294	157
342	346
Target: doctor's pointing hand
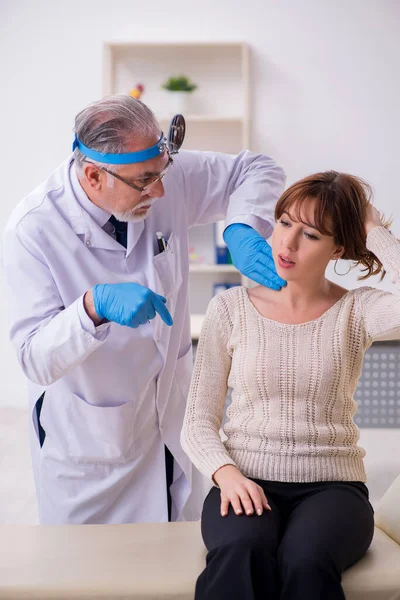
127	304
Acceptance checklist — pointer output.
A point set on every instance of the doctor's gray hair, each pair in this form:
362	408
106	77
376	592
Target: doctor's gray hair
110	124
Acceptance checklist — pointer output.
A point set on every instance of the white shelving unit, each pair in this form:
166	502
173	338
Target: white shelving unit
218	119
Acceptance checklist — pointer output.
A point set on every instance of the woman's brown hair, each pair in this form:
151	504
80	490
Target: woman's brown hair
341	208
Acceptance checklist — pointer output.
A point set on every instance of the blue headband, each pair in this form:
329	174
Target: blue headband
122	159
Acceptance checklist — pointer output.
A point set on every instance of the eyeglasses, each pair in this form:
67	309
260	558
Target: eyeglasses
152	179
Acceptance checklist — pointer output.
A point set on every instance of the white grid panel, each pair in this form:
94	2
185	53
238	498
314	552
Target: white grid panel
378	390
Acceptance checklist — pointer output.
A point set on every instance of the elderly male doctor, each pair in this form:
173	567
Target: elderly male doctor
96	264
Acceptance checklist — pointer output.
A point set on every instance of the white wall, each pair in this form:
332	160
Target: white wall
325	76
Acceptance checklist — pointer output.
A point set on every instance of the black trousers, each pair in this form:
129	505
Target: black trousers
169	459
297	551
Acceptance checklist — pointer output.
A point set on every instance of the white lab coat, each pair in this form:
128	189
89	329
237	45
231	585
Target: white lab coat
116	395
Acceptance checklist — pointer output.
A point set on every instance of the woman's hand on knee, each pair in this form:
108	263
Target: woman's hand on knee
243	493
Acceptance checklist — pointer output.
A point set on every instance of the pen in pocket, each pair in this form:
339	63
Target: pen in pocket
162	244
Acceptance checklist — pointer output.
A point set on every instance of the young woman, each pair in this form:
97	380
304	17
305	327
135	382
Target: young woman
289	511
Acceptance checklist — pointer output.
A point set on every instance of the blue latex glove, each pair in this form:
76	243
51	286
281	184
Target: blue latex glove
129	304
252	255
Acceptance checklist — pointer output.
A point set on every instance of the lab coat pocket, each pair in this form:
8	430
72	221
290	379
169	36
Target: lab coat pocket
168	280
100	434
168	273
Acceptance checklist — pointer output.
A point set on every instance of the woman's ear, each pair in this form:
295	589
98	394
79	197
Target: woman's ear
337	253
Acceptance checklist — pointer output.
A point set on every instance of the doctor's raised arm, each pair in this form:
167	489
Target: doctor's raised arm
242	189
96	269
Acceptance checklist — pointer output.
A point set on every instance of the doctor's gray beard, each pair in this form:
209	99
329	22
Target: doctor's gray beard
130	216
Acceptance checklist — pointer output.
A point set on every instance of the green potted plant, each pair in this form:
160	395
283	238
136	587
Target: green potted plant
179	89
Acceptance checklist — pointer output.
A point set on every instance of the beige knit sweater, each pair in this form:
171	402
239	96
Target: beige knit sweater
291	416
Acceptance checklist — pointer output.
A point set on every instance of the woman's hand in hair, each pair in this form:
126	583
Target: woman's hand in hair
236	489
373	218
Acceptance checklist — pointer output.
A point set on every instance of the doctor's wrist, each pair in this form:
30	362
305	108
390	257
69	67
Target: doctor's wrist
88	304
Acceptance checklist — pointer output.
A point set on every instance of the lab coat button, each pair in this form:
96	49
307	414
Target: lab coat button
88	242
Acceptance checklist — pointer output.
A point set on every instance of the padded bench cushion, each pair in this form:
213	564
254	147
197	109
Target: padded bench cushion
387	514
377	575
144	561
94	562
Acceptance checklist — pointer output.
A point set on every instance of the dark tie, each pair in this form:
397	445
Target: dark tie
120	230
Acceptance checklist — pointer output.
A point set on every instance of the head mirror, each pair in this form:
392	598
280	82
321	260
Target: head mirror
176	134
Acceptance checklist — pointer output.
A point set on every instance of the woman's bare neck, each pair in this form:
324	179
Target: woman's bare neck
295	304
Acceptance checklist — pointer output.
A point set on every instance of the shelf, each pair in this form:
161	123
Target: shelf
219	69
207	119
196	322
213	269
146	45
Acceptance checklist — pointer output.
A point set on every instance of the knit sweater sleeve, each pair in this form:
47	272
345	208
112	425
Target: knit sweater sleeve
200	436
380	311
